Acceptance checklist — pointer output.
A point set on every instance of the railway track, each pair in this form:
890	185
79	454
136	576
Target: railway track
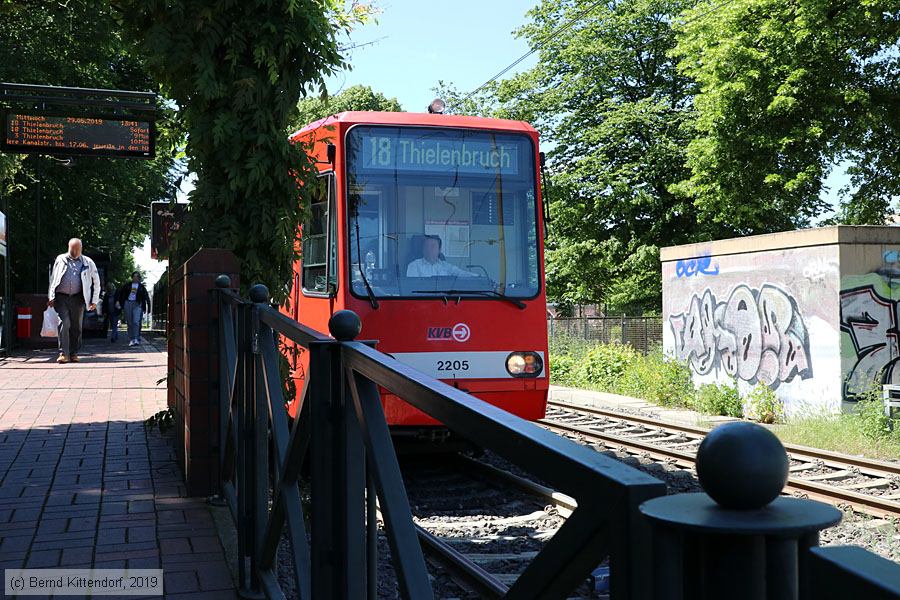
865	485
485	553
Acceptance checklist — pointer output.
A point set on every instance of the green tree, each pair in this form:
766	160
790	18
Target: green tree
236	71
788	88
608	96
357	97
104	201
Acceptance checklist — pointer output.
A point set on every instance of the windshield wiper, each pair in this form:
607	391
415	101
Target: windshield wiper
515	301
369	291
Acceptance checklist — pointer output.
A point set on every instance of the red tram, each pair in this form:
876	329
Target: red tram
429	227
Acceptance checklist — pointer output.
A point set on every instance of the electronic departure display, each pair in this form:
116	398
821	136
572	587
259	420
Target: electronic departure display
42	133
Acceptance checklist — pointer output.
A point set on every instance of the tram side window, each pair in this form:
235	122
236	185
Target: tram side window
317	258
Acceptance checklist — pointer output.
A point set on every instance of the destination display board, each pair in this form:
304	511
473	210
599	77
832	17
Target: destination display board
379	149
165	220
43	133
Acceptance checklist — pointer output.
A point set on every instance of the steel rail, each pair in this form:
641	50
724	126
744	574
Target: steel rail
872	505
460	568
563	503
838	460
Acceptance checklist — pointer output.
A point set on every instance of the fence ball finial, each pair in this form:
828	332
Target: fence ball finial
223	281
344	325
259	293
742	465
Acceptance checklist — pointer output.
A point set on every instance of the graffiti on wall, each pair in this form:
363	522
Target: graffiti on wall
699	265
871	322
753	335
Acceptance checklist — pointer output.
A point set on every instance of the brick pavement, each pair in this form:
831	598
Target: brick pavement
83	482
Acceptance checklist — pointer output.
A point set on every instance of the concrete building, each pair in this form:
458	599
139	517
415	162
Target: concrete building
811	313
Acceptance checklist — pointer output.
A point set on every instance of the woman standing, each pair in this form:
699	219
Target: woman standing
135	300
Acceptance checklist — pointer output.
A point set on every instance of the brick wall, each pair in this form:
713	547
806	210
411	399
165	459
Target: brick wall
193	364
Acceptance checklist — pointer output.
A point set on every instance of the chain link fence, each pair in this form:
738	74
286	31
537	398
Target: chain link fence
642	333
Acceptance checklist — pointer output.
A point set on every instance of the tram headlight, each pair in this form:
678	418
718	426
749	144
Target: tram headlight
524	364
437	106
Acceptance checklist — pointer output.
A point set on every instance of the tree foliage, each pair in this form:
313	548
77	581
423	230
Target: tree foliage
608	96
236	71
357	97
787	89
106	202
677	121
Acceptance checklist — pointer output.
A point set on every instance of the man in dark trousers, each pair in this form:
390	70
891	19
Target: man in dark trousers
135	301
74	284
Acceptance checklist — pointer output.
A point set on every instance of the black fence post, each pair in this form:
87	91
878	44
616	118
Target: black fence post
321	381
258	410
742	541
245	391
338	512
350	467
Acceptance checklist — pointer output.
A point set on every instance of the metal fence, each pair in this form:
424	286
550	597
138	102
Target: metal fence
642	333
341	427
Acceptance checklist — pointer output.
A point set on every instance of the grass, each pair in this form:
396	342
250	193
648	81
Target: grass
841	434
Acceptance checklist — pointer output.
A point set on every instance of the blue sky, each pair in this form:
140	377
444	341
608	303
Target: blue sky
417	43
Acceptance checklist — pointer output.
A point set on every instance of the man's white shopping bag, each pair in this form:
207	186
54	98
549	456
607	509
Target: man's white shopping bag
51	323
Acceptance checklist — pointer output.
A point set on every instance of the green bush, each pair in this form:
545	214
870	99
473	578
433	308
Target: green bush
566	354
763	405
620	369
719	399
562	369
604	366
869	417
660	380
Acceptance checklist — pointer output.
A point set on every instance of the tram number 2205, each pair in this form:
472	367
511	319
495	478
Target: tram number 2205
452	365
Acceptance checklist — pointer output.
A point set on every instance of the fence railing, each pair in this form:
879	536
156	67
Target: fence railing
342	427
642	333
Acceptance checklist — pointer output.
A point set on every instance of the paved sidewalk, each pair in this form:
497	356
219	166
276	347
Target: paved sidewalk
84	483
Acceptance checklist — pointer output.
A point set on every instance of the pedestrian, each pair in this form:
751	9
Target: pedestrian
135	301
74	284
113	310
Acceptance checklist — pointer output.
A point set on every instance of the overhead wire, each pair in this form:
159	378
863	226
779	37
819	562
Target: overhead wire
537	47
569	24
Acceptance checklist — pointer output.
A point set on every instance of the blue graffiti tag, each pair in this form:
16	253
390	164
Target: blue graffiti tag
699	265
891	256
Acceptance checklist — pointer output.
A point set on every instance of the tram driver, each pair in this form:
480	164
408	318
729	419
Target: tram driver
432	264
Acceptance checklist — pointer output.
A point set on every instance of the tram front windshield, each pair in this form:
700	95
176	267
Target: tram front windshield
441	212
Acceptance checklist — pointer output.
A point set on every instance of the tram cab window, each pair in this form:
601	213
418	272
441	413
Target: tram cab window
319	239
434	211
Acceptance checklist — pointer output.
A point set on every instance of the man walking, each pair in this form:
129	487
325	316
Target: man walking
74	283
135	301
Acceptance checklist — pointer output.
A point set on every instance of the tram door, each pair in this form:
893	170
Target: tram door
314	288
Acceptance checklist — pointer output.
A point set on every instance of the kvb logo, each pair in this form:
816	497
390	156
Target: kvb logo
459	332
